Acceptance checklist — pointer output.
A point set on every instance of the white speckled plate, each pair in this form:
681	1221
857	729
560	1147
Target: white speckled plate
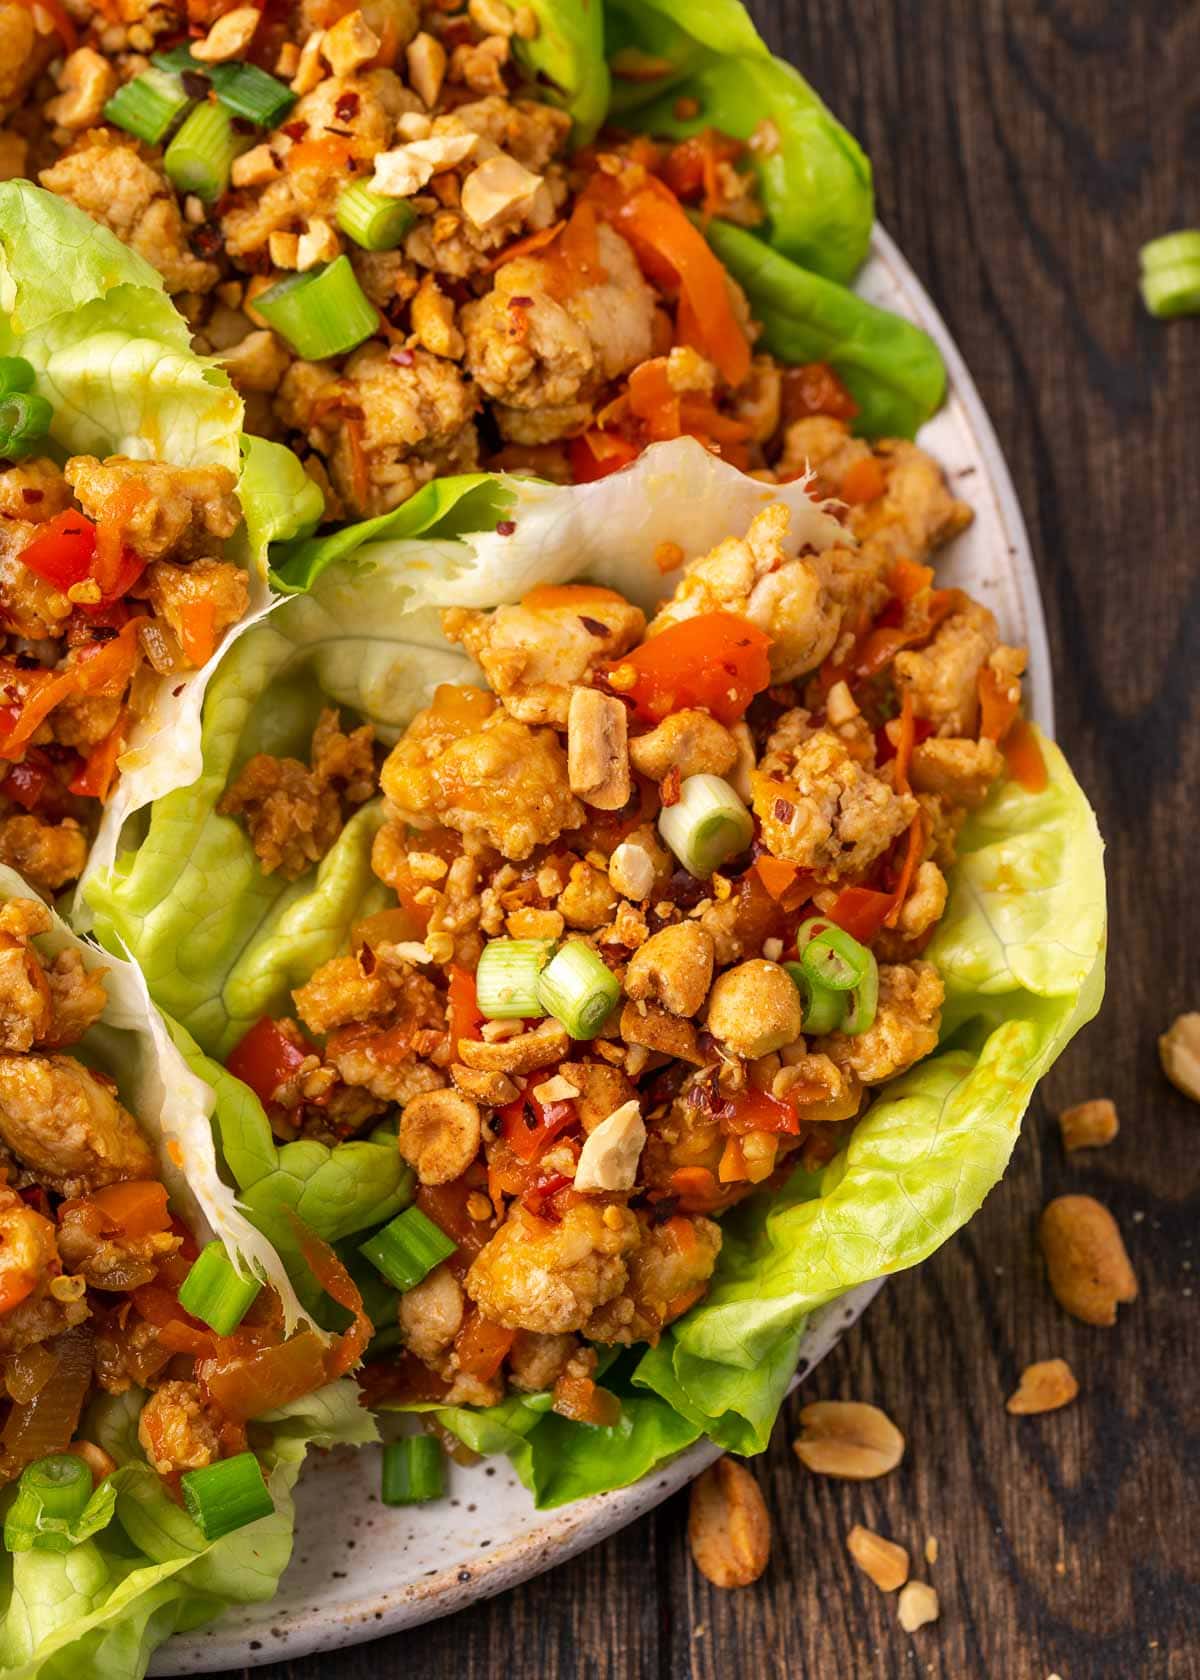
361	1569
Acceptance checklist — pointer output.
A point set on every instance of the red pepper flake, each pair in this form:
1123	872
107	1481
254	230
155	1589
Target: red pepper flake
593	626
346	106
506	527
783	810
33	495
195	84
401	357
669	789
295	130
521	302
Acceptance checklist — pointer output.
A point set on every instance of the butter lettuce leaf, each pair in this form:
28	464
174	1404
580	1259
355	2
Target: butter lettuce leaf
565	60
103	1608
815	183
893	370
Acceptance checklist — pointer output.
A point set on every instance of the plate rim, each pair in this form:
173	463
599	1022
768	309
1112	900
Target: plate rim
575	1528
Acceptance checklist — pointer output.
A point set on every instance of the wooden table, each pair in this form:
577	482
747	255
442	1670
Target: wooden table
1023	150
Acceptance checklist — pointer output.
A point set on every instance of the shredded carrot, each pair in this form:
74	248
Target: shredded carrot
95	778
912	856
998	705
98	668
115	516
907	579
546	595
331	151
198	631
1024	757
732	1168
524	247
360	478
138	1206
904	746
863	482
776	874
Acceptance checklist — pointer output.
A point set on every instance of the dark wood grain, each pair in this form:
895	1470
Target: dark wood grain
1023	151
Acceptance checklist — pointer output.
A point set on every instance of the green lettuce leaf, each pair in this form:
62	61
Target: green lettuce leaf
893	370
103	1608
111	352
815	185
566	60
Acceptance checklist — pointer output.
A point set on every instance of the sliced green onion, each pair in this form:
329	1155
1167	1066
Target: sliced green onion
1171	250
835	959
321	313
407	1249
863	1002
199	158
1172	291
247	91
707	825
373	220
214	1292
24	421
251	93
506	981
578	990
16	374
149	106
52	1495
414	1471
822	1010
226	1495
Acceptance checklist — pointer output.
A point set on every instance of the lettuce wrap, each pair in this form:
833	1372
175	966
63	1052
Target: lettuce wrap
112	355
1020	946
144	1571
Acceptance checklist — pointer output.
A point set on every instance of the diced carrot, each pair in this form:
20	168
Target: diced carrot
1023	756
864	481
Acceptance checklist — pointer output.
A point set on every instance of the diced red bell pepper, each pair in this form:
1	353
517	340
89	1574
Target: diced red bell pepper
756	1111
266	1057
529	1127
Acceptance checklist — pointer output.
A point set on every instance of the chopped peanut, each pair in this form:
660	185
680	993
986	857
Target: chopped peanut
1044	1387
1088	1125
882	1560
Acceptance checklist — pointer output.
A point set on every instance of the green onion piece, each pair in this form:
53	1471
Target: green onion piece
61	1484
578	990
506	981
1171	250
822	1010
835	959
251	93
863	1002
707	826
226	1495
407	1249
373	220
24	421
199	158
16	374
1172	291
414	1471
149	106
177	60
321	313
214	1292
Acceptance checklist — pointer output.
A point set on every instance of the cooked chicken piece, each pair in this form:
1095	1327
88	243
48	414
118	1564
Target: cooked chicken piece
905	1027
943	678
165	512
481	772
533	655
24	52
108	1258
431	1315
82	721
115	185
33	608
819	807
217	590
25	1003
369	1061
687	1135
668	1271
959	771
537	1361
527	130
385	426
340	992
33	490
46	855
28	1257
916	513
67	1125
534	1275
528	349
753	577
176	1430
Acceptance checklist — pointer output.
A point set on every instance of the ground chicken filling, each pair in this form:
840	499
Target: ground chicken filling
855	711
91	1257
533	308
111	581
